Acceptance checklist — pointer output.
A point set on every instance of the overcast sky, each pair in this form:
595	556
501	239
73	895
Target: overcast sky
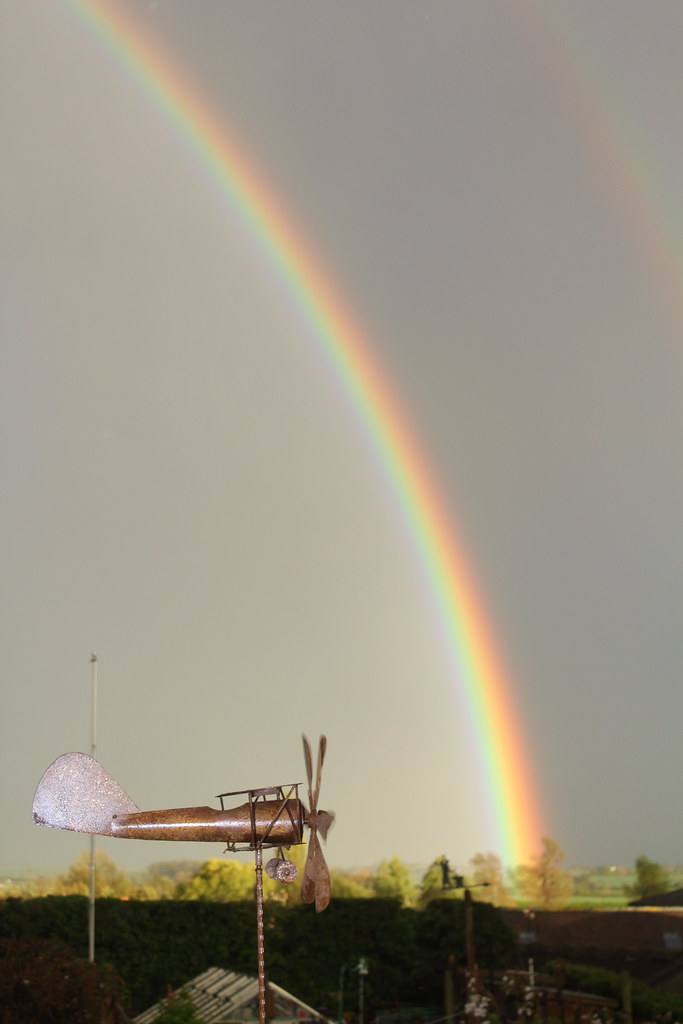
495	189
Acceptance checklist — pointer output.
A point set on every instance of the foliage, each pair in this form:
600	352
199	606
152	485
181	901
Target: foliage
163	879
351	884
431	886
154	944
648	1003
440	933
176	870
228	881
651	878
150	943
220	881
393	880
214	879
109	879
149	887
544	883
159	881
44	981
487	876
307	951
597	887
31	886
179	1009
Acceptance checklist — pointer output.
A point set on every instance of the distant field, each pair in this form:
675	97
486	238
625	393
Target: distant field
602	882
611	901
583	902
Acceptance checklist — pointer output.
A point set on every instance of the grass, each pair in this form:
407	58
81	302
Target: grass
598	901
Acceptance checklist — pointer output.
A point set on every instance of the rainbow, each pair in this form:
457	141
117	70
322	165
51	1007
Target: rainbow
486	693
609	138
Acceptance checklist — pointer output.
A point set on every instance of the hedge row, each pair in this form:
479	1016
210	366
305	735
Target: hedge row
155	944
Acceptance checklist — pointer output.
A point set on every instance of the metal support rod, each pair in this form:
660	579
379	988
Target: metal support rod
361	1006
93	740
260	939
362	971
340	1005
627	997
449	995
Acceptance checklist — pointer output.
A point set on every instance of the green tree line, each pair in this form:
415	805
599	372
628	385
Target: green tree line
543	883
226	880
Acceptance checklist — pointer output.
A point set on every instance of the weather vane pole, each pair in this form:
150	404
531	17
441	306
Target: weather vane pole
93	741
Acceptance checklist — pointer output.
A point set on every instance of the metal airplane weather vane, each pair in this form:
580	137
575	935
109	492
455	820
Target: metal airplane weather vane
77	794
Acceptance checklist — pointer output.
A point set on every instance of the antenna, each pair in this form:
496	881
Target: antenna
93	740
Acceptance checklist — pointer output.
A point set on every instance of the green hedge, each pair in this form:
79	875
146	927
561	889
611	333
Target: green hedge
647	1003
153	944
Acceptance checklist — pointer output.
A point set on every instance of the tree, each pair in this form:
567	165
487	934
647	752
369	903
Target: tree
110	880
487	872
220	880
432	884
178	1009
651	878
350	884
441	942
29	887
393	880
42	981
153	887
177	870
230	880
544	883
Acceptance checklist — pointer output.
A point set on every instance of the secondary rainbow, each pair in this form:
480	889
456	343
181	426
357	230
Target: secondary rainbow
483	687
613	145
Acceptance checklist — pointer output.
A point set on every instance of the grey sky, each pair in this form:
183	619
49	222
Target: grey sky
186	489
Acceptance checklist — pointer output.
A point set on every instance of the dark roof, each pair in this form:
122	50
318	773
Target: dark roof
673	898
628	930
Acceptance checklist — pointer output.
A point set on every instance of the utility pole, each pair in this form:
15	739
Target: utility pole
469	941
451	881
93	740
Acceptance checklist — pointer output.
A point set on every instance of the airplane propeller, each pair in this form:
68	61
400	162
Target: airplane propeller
315	886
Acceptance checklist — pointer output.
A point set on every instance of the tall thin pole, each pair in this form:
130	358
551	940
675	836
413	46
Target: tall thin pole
469	942
362	971
93	741
340	1008
260	942
472	979
626	997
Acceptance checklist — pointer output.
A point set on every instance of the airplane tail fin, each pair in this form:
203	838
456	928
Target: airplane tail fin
77	794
